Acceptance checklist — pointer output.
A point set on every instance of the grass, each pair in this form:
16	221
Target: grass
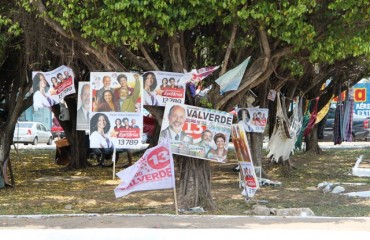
43	187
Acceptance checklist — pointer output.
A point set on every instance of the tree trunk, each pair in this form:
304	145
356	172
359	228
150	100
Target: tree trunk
256	145
76	139
5	143
312	142
195	183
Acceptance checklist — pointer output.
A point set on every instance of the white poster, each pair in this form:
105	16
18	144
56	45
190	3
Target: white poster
116	100
83	106
162	87
253	119
197	132
51	87
116	130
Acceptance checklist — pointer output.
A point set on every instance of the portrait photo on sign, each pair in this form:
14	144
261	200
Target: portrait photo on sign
83	106
116	92
162	87
197	132
253	119
116	129
49	88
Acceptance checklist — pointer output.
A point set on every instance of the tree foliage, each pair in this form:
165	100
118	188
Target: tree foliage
285	40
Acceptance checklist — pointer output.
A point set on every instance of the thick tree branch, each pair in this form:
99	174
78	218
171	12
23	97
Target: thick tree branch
148	58
251	76
229	48
175	54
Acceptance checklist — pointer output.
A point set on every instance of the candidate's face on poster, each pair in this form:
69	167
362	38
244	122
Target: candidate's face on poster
149	80
245	115
43	82
123	82
177	118
85	96
107	81
108	96
207	138
101	122
220	143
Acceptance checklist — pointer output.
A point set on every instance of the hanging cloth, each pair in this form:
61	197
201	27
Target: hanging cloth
323	112
338	118
296	120
312	121
348	117
280	144
306	119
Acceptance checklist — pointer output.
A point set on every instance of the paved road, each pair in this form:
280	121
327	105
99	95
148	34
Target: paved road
181	227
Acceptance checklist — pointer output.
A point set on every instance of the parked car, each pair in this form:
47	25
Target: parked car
360	127
57	132
32	132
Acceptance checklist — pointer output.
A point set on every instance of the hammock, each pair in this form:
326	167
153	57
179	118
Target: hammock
306	119
281	143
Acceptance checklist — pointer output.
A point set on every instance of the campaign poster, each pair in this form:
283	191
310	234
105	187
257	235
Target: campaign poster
253	119
116	100
49	88
162	87
116	91
244	156
83	106
120	130
197	132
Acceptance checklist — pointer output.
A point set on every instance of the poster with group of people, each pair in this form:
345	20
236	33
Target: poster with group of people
49	88
116	118
197	132
162	87
253	119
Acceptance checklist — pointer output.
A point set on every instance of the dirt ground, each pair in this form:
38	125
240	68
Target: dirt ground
45	188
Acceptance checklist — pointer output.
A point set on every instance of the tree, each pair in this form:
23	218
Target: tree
283	38
14	83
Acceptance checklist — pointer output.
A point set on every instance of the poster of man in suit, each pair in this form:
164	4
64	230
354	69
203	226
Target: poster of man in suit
197	132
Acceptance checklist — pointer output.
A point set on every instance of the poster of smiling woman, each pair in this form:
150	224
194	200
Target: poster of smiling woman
115	130
49	88
162	87
197	132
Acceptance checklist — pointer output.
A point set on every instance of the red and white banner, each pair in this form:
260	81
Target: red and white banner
155	170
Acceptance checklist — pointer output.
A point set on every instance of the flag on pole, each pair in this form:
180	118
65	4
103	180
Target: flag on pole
231	79
154	170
